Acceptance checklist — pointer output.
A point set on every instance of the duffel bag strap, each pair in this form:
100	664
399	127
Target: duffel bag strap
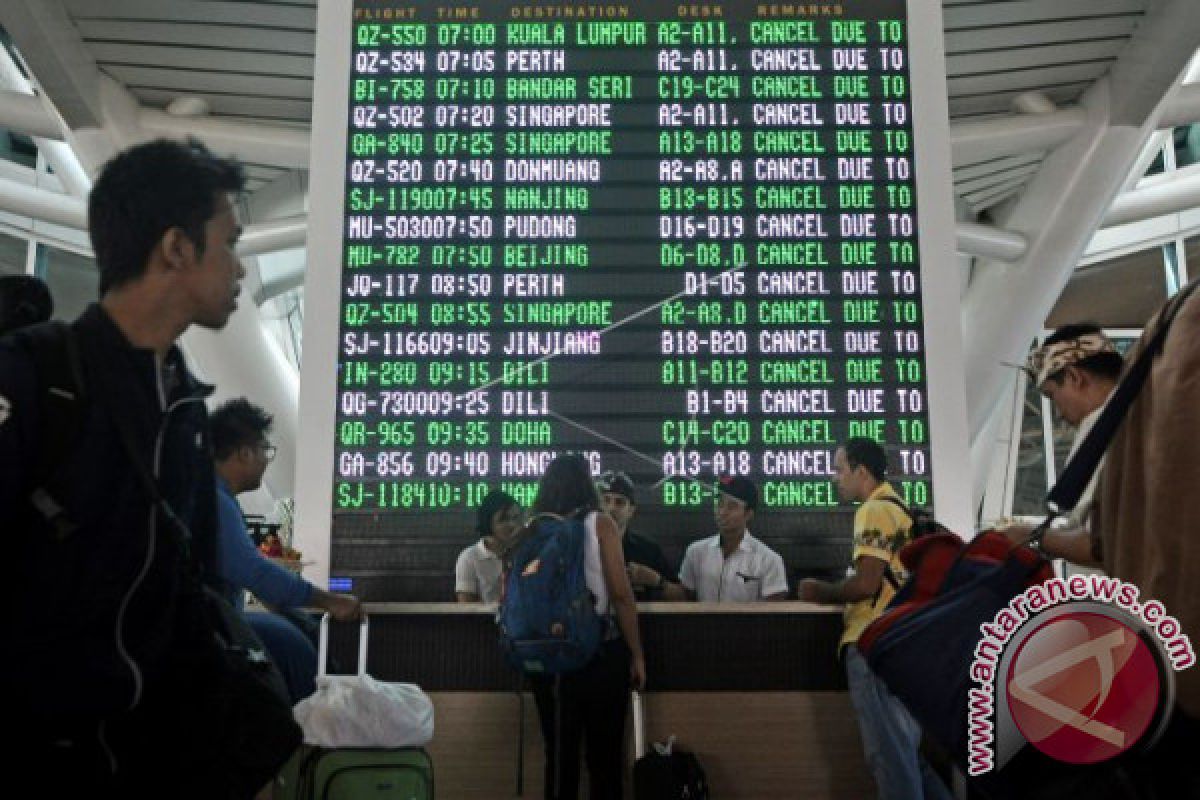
1078	472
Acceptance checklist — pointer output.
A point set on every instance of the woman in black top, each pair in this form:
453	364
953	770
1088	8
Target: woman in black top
589	708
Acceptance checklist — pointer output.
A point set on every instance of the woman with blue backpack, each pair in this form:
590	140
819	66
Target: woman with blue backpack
569	620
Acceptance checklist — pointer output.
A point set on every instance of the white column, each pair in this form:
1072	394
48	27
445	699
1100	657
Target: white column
242	360
1007	304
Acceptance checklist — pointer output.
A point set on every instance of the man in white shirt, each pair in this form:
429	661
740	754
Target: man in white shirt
733	566
1077	369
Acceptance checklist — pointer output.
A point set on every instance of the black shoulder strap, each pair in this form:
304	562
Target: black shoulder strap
888	574
61	399
61	394
1074	479
900	504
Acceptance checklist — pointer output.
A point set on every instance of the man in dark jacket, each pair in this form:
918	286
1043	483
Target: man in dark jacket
102	592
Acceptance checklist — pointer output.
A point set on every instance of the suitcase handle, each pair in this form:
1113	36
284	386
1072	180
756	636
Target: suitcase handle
323	646
639	726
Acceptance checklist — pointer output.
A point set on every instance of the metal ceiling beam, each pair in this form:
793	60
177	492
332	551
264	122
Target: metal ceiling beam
273	235
27	114
275	145
1067	200
58	154
1168	194
984	140
987	241
51	45
42	205
1184	108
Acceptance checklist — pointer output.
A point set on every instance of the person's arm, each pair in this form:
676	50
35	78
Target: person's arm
342	607
244	567
687	577
774	583
1072	542
862	585
675	592
620	594
466	583
651	578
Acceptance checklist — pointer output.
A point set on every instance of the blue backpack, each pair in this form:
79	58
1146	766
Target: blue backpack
547	617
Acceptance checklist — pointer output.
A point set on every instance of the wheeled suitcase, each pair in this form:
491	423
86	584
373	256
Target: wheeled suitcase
354	773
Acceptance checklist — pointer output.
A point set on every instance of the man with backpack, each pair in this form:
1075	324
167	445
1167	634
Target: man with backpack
108	496
882	526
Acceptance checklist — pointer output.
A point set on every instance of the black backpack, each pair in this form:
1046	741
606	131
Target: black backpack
238	700
923	521
675	775
62	399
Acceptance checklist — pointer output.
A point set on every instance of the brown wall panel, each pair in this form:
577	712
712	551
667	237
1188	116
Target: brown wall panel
753	745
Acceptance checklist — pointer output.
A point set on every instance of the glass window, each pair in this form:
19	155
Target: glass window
1119	293
1029	493
13	254
17	148
1187	145
73	280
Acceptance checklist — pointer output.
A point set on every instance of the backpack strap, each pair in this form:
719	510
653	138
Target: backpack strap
889	574
62	399
899	504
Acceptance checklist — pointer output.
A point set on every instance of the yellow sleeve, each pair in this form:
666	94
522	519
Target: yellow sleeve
876	533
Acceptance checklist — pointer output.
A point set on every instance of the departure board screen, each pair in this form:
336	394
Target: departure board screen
681	239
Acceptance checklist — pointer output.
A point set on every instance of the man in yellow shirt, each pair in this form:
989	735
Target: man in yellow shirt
891	737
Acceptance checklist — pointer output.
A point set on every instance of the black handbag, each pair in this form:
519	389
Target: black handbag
238	716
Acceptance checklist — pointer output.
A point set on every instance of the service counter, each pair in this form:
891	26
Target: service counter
755	690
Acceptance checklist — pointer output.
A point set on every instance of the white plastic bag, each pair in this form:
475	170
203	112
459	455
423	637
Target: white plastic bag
359	711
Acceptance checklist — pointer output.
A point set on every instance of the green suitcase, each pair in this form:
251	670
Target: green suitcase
368	773
354	773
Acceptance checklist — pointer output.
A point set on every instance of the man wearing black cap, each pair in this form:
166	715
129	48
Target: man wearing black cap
733	566
644	559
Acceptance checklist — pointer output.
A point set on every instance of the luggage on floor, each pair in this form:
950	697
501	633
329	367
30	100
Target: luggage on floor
666	772
360	773
367	772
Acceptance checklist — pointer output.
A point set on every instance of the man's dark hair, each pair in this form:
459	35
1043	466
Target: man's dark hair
145	191
868	453
1103	365
238	423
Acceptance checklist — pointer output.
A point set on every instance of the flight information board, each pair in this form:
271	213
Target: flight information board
679	238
